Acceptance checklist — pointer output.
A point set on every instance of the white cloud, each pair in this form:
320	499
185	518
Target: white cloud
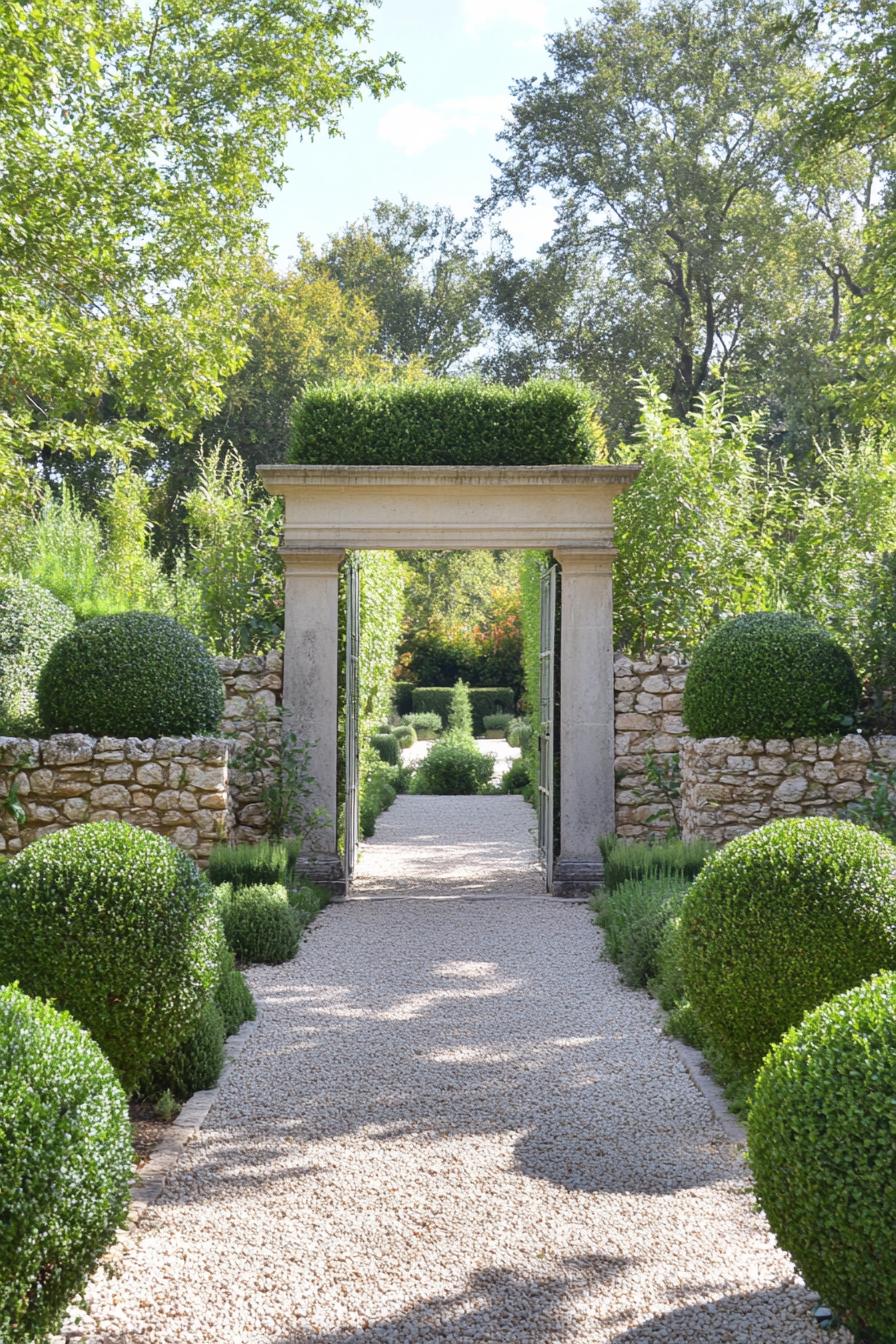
477	15
412	128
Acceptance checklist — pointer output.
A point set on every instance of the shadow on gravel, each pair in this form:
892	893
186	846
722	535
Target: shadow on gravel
736	1319
497	1307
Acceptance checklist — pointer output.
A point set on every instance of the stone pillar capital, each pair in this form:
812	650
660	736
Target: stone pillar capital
297	560
586	559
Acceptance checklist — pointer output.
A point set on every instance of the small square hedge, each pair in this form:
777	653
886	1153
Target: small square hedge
446	422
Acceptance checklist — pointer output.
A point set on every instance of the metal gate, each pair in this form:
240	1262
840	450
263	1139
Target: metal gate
352	699
546	724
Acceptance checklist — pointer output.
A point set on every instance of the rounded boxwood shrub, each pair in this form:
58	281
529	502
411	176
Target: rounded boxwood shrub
31	622
770	674
130	675
120	928
260	925
196	1063
405	735
782	919
66	1161
822	1134
386	747
454	765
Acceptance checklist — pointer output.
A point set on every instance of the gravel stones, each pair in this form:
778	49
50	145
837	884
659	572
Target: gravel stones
453	1123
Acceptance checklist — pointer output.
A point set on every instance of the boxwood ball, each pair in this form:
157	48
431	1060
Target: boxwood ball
769	674
780	920
822	1143
130	675
66	1161
119	927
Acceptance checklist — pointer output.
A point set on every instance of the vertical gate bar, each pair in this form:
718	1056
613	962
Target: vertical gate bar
352	697
546	724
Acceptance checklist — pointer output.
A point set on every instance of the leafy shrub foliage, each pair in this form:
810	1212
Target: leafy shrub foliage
233	996
386	747
634	916
427	726
821	1148
454	765
516	778
119	927
519	734
496	723
31	622
780	920
448	422
248	864
66	1159
130	675
260	925
770	674
626	859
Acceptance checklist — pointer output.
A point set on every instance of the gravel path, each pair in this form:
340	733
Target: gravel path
453	1123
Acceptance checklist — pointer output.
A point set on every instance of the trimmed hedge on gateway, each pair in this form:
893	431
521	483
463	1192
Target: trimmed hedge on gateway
780	920
32	620
446	422
770	674
119	927
134	674
822	1130
66	1158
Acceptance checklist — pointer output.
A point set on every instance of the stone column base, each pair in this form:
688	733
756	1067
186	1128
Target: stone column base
577	879
324	870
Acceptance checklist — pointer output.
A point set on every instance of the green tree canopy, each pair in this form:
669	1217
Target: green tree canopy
418	267
688	243
137	142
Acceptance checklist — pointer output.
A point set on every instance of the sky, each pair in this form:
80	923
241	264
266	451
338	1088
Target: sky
434	140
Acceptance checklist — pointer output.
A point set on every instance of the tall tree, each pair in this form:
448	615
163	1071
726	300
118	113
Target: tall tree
853	108
686	238
137	142
418	267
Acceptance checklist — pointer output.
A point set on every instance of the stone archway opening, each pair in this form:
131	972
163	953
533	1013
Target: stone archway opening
567	510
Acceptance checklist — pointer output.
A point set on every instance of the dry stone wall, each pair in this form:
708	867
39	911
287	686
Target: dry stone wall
648	726
189	789
730	785
253	690
174	785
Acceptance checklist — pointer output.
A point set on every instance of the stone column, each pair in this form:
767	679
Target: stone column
311	687
587	786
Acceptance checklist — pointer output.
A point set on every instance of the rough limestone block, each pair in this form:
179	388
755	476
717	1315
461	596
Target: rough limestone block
76	809
67	749
854	748
117	774
184	837
110	796
791	790
825	772
151	774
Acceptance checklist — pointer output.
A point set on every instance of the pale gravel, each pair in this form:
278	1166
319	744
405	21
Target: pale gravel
454	1123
